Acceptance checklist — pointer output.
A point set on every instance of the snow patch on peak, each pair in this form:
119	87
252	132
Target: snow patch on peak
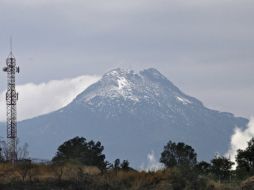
183	100
114	72
122	82
120	86
117	72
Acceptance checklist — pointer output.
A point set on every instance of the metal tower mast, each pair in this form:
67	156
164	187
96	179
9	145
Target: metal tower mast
11	100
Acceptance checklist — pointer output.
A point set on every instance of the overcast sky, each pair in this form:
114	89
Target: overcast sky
205	47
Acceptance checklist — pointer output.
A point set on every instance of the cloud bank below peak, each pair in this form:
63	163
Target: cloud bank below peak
38	99
240	138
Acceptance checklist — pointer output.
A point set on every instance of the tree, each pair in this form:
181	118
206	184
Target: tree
245	159
1	155
4	151
221	167
178	154
22	151
203	167
125	165
80	151
117	163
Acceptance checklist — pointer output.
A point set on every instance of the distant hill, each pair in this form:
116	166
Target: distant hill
131	114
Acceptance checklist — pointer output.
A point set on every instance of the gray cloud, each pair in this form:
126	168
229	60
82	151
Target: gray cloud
204	46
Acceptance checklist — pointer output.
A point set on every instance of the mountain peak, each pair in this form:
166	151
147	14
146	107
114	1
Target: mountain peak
120	88
153	73
121	76
150	73
117	72
117	79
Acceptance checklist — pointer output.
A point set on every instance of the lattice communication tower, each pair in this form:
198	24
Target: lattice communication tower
11	102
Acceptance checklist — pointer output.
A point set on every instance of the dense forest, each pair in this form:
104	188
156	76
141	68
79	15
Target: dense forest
81	164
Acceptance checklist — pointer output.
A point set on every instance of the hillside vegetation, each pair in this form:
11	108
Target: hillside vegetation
79	164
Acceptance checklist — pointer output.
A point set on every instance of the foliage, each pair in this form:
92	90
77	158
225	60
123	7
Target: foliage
203	167
221	167
248	184
117	165
4	151
22	151
187	179
245	160
125	165
72	168
80	151
77	176
1	155
178	154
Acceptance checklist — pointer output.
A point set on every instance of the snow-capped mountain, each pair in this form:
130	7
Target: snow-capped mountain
132	114
125	91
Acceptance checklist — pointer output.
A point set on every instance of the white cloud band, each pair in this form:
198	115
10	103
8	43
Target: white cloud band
38	99
240	138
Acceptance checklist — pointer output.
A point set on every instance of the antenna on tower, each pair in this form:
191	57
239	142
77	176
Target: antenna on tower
11	44
11	52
